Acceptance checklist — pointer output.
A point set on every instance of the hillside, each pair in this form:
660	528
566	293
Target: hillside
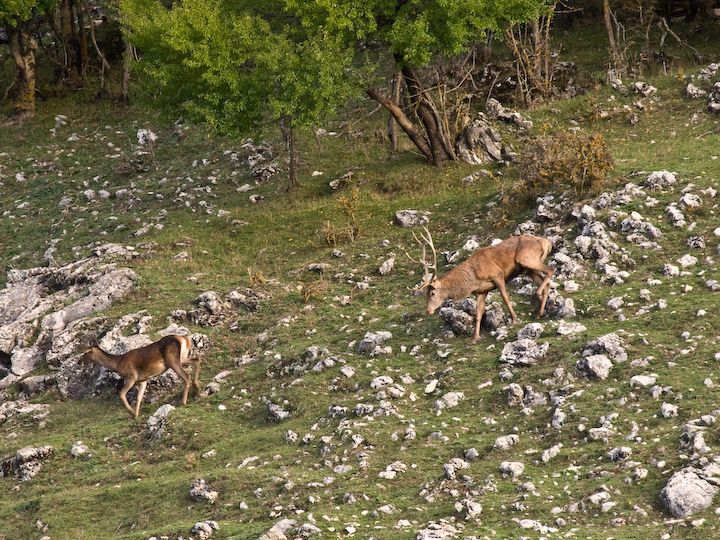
303	420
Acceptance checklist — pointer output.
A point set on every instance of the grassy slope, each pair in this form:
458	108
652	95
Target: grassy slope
131	488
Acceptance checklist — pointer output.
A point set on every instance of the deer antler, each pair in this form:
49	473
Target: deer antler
429	270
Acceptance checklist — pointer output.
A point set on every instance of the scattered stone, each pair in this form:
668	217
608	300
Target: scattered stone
620	453
205	529
611	345
570	328
411	218
25	463
373	343
595	366
79	450
550	453
200	491
512	469
276	412
387	266
523	352
505	442
157	423
280	530
448	401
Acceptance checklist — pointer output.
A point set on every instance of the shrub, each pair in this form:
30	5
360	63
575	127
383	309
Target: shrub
567	161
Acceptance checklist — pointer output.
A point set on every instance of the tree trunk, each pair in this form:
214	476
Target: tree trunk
440	147
616	56
392	123
411	130
289	135
22	47
128	57
70	33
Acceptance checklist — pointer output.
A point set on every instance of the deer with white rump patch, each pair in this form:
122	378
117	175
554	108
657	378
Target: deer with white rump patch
139	365
487	269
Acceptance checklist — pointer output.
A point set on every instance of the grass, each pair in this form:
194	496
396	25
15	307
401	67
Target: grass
132	488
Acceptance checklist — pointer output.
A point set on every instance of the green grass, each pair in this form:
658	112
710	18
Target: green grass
131	488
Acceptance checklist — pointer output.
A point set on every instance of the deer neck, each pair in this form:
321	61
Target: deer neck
109	361
458	283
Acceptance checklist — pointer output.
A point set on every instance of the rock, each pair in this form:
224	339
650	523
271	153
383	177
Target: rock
387	266
8	409
39	306
442	530
687	260
644	88
620	453
560	307
514	394
25	463
690	200
668	410
411	218
660	179
714	99
505	442
448	401
596	366
531	331
157	422
523	352
693	92
512	469
205	529
550	453
468	508
689	491
459	321
373	343
570	328
644	381
200	491
611	345
455	464
79	450
276	412
279	530
497	111
479	142
37	384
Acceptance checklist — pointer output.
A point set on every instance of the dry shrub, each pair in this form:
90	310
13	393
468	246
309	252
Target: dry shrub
349	230
569	161
313	289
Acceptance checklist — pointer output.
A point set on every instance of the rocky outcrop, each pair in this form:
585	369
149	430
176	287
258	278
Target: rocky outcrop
25	463
41	307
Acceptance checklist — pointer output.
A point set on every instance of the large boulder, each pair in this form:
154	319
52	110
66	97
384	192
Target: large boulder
479	142
689	490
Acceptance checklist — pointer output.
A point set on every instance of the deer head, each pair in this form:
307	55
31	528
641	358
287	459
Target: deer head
430	282
89	355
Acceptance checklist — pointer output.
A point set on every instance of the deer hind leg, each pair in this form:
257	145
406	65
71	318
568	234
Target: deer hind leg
499	282
129	383
479	315
541	294
173	360
141	394
537	266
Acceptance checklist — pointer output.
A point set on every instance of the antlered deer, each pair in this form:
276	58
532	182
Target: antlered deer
487	269
139	365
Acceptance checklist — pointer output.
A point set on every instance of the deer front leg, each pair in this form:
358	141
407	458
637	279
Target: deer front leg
129	383
499	282
480	311
196	372
140	396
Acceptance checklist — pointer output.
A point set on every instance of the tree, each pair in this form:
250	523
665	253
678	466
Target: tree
239	65
16	17
411	34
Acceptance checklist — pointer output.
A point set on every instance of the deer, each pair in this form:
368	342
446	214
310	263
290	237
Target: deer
487	269
140	365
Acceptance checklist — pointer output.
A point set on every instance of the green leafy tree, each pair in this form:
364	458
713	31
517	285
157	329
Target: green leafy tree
412	34
16	17
239	65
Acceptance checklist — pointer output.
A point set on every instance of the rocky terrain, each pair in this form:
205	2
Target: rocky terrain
332	406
